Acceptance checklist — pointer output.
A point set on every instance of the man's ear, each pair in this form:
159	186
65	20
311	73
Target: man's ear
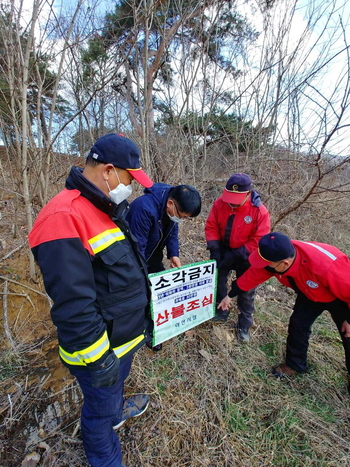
287	262
106	170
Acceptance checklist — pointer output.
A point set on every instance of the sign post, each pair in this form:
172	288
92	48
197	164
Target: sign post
182	298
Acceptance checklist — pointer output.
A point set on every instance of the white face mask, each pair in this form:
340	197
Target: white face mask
175	219
120	192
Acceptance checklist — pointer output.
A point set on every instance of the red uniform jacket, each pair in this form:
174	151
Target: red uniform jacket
321	272
247	225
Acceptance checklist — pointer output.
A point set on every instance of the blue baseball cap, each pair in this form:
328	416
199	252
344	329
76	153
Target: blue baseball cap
121	152
273	247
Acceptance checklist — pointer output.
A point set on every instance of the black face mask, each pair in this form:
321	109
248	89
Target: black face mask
273	270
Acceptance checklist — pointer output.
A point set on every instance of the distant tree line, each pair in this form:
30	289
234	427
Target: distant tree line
204	88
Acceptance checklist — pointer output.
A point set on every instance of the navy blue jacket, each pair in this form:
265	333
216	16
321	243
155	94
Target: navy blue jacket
145	218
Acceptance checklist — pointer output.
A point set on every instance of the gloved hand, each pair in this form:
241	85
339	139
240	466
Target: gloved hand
235	255
105	371
228	261
215	254
215	251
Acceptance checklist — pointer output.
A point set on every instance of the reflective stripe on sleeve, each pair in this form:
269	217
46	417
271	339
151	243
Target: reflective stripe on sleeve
125	348
105	239
88	355
95	351
327	253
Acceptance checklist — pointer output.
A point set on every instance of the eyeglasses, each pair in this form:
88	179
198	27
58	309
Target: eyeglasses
178	212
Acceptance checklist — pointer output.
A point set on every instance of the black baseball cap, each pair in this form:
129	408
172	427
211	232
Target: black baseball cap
121	152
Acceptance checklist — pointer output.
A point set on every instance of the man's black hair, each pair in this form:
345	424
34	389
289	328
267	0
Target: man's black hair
91	162
187	198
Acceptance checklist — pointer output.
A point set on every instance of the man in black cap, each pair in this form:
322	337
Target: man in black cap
236	222
98	283
320	275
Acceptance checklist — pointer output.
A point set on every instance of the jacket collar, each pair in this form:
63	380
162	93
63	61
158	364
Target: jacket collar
160	194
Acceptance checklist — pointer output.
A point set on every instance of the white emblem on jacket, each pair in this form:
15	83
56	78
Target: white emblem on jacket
311	284
247	219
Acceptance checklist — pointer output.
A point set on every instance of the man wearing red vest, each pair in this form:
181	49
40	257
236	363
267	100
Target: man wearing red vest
320	276
235	224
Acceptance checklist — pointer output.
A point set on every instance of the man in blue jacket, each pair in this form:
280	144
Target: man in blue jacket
97	280
154	219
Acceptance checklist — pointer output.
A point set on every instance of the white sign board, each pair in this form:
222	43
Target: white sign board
182	298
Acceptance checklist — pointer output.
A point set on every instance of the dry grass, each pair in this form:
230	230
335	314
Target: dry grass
216	404
214	401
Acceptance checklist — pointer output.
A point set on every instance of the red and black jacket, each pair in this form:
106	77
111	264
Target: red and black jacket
92	271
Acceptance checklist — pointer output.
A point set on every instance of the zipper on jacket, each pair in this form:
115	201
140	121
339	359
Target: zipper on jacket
161	237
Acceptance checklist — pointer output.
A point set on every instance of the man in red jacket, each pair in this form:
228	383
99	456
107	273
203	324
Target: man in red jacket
319	274
236	222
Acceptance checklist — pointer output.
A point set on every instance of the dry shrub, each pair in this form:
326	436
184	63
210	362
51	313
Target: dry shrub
214	401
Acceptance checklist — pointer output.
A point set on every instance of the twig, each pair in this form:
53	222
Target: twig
27	286
10	401
13	251
6	323
76	429
17	294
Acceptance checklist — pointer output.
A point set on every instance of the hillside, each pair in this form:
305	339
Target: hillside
214	401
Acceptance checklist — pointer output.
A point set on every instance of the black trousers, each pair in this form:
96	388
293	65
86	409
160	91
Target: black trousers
299	330
245	300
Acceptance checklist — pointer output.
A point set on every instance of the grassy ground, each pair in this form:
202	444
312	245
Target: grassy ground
214	402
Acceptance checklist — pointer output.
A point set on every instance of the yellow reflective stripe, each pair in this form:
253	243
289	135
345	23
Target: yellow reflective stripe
106	238
79	357
236	191
125	348
88	355
75	360
96	350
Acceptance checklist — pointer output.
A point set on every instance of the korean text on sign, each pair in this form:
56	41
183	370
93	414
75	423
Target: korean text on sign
182	298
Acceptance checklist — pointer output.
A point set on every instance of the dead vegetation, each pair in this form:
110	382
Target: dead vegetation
214	401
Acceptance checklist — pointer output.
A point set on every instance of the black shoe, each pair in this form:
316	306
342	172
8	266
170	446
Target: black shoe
243	334
155	348
221	316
